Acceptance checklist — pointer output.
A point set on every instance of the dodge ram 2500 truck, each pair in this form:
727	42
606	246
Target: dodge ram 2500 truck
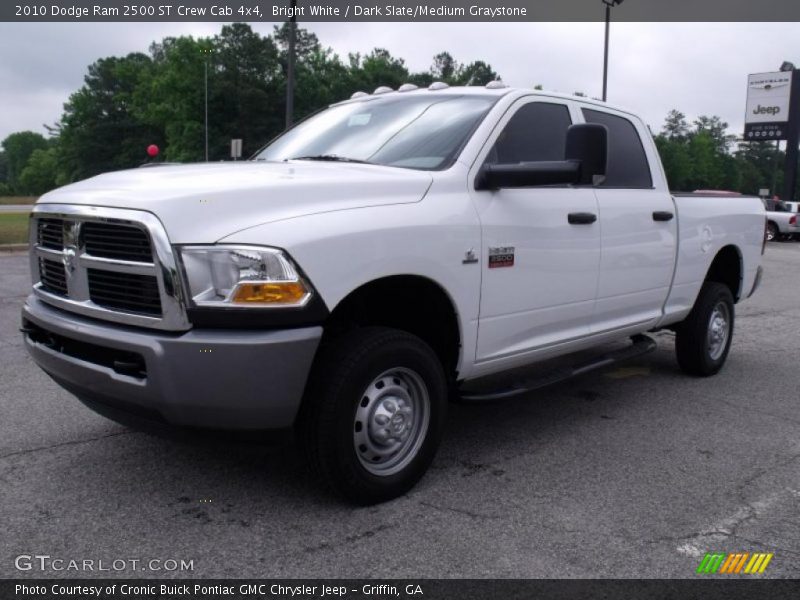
381	257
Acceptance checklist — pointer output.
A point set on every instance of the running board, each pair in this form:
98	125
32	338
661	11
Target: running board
642	344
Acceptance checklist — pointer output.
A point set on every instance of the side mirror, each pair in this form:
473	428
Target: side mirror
585	155
587	144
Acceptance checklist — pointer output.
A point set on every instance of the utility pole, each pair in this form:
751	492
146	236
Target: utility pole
290	66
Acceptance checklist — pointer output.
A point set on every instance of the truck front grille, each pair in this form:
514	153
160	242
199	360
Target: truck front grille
104	263
53	277
51	233
118	242
125	291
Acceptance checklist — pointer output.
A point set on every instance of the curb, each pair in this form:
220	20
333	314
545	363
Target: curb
13	248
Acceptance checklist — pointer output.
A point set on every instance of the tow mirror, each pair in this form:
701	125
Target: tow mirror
587	144
584	163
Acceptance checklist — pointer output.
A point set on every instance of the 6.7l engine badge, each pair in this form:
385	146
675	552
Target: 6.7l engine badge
501	256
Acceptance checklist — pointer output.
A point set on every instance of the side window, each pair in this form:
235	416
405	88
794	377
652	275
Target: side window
537	131
627	162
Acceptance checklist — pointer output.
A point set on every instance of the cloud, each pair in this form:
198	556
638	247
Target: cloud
698	68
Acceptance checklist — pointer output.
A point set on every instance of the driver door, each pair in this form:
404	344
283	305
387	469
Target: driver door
539	271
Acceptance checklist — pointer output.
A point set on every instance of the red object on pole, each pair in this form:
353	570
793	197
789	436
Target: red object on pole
152	150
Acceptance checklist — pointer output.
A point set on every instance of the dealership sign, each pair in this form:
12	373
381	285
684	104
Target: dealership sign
768	106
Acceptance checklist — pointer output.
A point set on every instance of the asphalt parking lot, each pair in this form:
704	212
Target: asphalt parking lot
633	472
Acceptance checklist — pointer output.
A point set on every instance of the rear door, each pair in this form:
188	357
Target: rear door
638	227
539	272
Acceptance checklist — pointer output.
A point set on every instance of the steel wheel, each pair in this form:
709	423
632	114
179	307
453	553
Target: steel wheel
718	330
391	421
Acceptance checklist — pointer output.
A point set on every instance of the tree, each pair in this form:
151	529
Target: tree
675	126
40	172
17	149
101	129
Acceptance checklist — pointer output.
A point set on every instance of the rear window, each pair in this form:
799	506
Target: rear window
627	161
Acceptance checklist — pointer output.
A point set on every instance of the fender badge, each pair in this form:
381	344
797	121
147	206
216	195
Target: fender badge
501	256
469	257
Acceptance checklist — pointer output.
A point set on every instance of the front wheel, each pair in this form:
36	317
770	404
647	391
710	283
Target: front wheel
704	338
374	413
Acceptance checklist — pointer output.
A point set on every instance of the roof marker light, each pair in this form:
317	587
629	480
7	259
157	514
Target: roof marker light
407	87
384	89
358	95
438	85
497	84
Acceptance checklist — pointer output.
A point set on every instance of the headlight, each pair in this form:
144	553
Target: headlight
243	276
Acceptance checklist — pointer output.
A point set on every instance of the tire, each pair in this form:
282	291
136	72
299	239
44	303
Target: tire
703	339
772	231
374	413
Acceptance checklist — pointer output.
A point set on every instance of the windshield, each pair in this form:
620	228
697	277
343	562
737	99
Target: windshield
419	131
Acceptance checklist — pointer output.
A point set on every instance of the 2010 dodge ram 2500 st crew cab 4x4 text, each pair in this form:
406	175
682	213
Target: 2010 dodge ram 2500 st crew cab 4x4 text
375	260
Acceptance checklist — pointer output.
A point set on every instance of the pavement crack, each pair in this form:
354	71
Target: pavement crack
64	444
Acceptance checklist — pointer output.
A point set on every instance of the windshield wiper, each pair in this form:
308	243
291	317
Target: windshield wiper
332	158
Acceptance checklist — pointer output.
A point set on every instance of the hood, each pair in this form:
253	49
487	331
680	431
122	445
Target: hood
202	203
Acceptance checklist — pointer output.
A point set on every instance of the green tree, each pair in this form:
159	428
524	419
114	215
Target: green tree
100	129
40	173
675	126
17	149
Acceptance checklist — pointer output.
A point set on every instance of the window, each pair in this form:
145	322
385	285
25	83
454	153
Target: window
416	131
537	131
627	162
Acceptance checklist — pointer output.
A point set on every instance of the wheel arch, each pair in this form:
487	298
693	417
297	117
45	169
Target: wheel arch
412	303
727	268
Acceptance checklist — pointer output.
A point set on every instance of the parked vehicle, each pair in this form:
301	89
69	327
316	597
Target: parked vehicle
781	220
388	253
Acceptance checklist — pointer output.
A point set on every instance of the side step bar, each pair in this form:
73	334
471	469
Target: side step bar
642	344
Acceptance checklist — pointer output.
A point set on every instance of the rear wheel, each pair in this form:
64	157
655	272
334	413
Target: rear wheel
374	412
704	338
772	231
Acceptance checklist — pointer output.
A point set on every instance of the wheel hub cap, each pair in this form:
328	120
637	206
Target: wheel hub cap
718	331
391	421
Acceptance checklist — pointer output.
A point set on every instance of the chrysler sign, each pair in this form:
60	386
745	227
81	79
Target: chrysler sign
768	106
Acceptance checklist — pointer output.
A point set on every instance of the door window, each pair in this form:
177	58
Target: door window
627	161
536	132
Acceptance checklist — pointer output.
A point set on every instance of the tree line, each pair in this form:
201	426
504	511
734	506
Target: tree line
127	103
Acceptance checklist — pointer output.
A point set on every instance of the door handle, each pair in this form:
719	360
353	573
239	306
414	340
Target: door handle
581	218
662	215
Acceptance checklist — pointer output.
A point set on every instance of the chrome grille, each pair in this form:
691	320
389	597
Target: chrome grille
53	276
119	242
112	264
50	233
124	291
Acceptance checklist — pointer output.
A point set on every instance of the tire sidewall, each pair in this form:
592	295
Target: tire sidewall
410	353
719	294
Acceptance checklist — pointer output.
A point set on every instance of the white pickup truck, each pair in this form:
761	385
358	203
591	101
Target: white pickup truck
383	256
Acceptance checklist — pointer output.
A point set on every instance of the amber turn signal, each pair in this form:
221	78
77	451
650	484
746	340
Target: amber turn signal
277	292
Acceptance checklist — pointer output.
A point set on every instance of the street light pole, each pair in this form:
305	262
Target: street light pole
609	4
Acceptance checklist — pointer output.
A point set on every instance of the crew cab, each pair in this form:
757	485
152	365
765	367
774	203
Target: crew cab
388	254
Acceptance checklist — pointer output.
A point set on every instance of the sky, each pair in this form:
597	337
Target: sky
698	68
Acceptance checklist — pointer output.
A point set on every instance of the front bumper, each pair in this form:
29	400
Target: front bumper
219	379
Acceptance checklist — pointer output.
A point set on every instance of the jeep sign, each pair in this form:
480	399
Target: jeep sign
768	103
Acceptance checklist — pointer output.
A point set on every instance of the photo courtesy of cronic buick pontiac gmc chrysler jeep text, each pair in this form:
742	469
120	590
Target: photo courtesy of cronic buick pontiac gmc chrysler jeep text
383	256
